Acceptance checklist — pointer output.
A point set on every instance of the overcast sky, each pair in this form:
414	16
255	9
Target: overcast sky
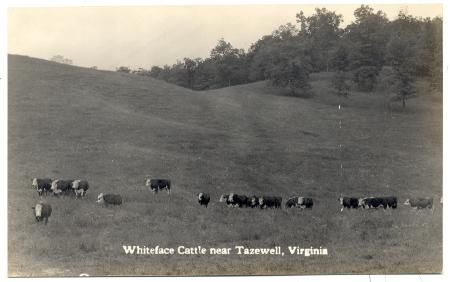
108	37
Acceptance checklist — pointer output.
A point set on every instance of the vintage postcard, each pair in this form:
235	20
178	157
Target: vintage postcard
225	140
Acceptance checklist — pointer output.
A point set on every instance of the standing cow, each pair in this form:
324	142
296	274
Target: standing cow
300	202
237	200
269	202
42	212
158	184
62	187
350	202
203	199
42	185
80	187
376	202
109	199
420	203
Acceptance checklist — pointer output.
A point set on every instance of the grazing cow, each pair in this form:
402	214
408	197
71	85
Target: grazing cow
269	202
62	187
225	198
42	212
203	199
42	185
158	184
109	199
420	203
80	187
376	202
349	202
299	202
237	200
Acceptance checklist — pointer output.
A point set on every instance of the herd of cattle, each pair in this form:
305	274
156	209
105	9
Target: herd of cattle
78	188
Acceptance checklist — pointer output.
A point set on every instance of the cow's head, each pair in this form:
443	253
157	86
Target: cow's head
100	198
253	201
407	202
34	183
361	202
147	182
230	197
200	196
341	200
38	211
261	201
300	200
223	198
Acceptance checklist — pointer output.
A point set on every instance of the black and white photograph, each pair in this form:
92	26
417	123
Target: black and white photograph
218	140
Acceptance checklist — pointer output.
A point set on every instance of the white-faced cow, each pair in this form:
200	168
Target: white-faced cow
269	202
420	203
109	199
42	212
42	185
225	198
300	202
203	199
237	200
80	187
350	202
377	202
62	187
158	184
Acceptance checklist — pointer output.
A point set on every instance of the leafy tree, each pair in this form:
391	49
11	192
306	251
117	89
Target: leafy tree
402	54
341	64
322	28
367	38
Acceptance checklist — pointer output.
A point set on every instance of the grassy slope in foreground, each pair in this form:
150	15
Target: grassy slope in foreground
114	129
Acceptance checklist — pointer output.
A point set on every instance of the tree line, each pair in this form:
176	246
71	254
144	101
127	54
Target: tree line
405	48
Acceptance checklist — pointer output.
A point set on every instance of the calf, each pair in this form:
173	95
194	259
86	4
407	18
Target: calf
420	203
203	199
109	199
42	185
42	212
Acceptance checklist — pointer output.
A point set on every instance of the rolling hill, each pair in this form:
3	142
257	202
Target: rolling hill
115	129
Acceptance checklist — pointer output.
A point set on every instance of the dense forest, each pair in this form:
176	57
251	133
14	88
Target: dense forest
368	51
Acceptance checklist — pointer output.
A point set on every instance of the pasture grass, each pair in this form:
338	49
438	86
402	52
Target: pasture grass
114	129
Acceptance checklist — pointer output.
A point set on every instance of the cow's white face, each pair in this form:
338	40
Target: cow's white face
100	198
230	197
261	201
38	211
147	182
200	195
34	183
300	200
341	200
76	184
407	202
54	185
361	202
222	198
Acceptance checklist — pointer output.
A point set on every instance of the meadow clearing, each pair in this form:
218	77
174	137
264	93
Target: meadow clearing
114	129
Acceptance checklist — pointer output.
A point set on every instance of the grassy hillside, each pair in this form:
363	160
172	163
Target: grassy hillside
114	129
